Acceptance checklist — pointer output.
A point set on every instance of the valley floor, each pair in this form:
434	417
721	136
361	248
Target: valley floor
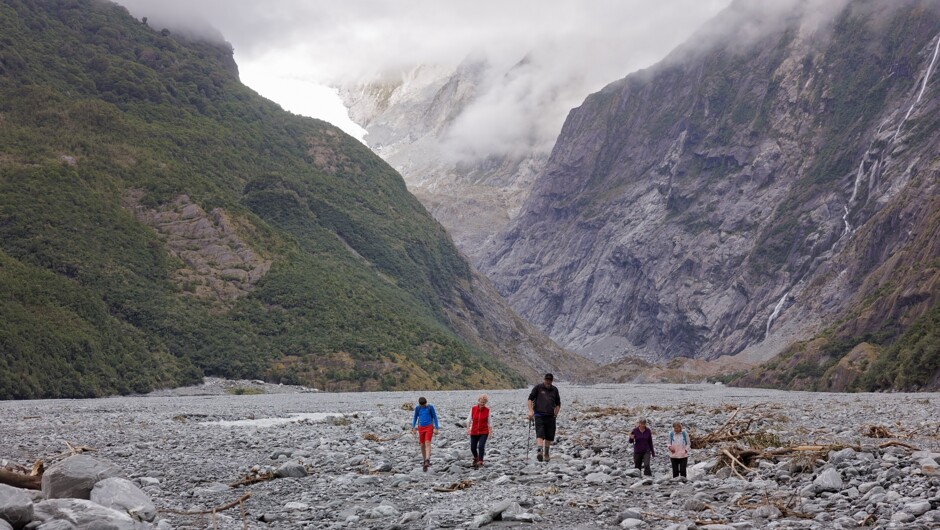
364	469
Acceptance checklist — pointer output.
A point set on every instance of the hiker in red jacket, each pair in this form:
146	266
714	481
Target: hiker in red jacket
479	429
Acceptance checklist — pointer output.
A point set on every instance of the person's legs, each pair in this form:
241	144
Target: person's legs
539	437
474	440
646	465
638	460
481	446
683	465
549	436
424	438
675	466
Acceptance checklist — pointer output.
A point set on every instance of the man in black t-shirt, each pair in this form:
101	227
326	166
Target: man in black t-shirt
544	404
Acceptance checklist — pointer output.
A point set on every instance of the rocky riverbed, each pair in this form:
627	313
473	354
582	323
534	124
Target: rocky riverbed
348	460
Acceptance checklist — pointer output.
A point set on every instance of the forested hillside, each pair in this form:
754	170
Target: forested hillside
160	221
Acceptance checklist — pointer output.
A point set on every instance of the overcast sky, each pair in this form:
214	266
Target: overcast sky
293	51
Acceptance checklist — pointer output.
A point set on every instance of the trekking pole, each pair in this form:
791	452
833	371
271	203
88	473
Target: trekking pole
528	440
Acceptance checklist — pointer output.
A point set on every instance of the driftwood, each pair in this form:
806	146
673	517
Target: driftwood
698	522
248	480
896	443
785	507
462	485
221	508
372	437
19	480
734	430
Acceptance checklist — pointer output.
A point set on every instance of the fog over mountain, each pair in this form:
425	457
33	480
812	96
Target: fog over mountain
569	50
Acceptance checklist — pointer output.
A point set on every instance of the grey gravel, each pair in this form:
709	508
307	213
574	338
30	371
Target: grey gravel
184	450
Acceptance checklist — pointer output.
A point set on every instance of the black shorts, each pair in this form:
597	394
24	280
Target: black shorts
545	427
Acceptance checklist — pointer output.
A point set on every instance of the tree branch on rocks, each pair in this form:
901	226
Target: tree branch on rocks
20	480
372	437
248	480
215	510
461	485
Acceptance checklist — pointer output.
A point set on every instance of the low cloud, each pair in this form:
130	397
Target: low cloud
568	49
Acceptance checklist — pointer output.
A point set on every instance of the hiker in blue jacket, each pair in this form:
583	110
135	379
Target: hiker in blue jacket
425	419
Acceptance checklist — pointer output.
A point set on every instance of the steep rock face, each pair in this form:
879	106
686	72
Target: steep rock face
409	115
741	195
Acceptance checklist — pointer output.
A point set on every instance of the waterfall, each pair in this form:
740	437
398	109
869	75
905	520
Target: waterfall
776	313
923	87
875	167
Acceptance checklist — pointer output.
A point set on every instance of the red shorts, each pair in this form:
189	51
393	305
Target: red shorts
425	433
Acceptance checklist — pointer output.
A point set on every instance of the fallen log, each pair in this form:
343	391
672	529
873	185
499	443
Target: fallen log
18	480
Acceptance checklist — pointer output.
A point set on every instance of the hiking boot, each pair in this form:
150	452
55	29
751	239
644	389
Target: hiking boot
476	463
425	466
538	456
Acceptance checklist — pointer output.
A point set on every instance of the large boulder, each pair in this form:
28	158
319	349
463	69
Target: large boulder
86	514
16	507
5	525
75	476
122	495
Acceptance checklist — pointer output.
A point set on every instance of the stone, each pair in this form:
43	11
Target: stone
836	457
767	511
56	525
290	469
598	478
409	517
16	507
383	467
296	506
694	505
928	466
632	523
122	495
497	509
902	517
82	512
481	520
917	508
828	480
5	525
383	510
75	476
630	513
148	481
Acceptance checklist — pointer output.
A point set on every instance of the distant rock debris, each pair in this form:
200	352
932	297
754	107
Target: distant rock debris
217	262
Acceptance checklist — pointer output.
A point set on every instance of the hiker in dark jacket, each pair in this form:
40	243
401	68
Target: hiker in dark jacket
642	440
544	404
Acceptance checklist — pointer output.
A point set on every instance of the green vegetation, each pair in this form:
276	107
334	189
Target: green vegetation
912	362
909	361
93	104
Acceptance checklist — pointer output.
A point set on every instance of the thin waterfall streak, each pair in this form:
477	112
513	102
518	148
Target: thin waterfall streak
776	312
923	88
929	70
